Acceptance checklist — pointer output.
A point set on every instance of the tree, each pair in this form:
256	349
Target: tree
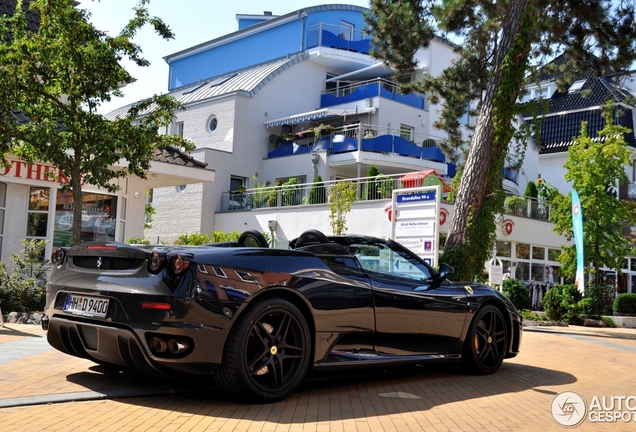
596	167
56	77
501	45
341	197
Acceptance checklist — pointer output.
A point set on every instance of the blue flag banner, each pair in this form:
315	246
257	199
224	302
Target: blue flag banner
577	226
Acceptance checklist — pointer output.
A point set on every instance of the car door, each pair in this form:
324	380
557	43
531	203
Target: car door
413	316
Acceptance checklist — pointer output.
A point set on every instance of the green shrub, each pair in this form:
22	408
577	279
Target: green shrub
517	293
197	239
561	303
318	192
528	315
292	193
597	300
23	289
625	303
608	321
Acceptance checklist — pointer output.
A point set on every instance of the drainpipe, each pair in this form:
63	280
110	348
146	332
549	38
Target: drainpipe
301	15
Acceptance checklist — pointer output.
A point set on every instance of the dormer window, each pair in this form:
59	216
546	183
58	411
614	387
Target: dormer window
544	91
576	86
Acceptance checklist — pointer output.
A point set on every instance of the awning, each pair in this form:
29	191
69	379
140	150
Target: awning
370	72
320	114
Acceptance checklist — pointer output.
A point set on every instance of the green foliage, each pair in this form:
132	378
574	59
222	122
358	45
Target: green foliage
608	321
260	194
597	300
385	186
517	293
292	193
561	303
23	289
531	190
625	303
197	239
595	167
341	197
322	130
503	44
136	240
370	189
57	77
318	192
528	315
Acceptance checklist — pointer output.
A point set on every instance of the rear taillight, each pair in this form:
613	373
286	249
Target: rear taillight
57	256
155	262
180	263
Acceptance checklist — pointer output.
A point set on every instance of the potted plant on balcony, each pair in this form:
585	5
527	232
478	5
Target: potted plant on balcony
515	205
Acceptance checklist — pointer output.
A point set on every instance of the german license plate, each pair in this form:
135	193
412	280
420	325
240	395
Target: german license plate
86	305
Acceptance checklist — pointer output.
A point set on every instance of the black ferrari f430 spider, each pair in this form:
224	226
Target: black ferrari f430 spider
260	319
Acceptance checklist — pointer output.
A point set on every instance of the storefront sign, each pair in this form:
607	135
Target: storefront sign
37	171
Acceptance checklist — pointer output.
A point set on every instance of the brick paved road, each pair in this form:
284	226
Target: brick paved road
44	390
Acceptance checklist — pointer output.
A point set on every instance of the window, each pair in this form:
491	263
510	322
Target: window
346	30
503	249
3	203
212	123
576	86
394	262
99	214
178	129
38	213
553	254
522	251
406	132
538	253
237	183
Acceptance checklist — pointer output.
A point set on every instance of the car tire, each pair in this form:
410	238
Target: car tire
486	343
267	353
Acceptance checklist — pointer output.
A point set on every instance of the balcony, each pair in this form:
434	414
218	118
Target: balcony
369	89
338	37
369	189
370	139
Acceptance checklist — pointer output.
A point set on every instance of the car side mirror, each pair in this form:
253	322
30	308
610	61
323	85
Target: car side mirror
445	271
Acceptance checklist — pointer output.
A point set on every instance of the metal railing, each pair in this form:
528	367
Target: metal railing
339	37
369	89
369	188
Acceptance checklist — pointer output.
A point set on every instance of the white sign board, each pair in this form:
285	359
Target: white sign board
416	221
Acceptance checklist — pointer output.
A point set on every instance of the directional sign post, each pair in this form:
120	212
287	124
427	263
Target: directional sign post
415	224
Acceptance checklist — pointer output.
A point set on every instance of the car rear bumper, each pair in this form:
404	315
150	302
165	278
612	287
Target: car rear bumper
122	346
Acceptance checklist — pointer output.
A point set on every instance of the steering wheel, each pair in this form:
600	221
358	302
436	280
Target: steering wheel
252	238
309	235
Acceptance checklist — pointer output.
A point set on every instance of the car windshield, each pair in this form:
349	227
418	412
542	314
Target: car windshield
389	259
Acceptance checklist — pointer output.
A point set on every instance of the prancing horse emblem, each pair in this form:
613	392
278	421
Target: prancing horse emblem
99	262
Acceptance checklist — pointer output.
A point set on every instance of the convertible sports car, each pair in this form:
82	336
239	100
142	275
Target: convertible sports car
261	319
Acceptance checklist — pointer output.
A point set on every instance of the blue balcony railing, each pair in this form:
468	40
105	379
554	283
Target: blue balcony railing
372	139
338	37
368	89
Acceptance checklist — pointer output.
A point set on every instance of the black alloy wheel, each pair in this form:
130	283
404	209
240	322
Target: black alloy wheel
267	353
487	341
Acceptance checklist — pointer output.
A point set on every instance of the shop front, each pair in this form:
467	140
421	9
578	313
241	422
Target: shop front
34	206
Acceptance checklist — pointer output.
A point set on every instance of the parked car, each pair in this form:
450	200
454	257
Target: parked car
261	319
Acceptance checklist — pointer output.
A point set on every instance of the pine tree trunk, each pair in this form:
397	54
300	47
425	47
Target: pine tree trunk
474	186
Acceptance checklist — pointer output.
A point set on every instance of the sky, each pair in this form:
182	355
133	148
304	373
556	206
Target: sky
192	21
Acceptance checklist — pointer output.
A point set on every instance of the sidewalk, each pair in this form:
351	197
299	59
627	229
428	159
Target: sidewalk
591	362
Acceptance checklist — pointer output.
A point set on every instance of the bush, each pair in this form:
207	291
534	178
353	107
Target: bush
561	303
318	192
517	293
197	239
23	289
625	303
597	300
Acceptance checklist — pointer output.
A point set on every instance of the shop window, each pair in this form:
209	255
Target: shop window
522	250
38	212
522	271
99	214
503	249
538	253
538	272
553	254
